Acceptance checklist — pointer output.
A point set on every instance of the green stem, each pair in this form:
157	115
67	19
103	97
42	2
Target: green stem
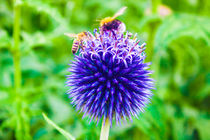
16	51
19	133
155	4
150	44
105	130
153	26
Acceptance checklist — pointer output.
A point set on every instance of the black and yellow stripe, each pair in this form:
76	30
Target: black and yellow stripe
75	46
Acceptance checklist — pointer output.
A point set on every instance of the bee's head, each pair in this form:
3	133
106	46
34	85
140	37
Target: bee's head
106	20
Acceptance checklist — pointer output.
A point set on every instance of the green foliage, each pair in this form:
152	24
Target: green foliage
63	132
178	46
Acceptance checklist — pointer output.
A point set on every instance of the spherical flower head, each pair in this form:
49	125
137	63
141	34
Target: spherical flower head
109	79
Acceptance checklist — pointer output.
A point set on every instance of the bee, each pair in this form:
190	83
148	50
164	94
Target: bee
79	39
110	23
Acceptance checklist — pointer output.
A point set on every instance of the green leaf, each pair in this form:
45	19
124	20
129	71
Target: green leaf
31	41
182	25
44	8
147	20
5	40
63	132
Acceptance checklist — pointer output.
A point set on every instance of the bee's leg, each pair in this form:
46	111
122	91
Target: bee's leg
110	33
114	34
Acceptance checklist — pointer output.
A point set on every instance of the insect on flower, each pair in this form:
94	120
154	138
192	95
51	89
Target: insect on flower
79	39
109	79
110	23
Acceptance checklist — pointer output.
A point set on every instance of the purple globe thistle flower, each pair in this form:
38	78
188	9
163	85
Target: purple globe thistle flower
109	79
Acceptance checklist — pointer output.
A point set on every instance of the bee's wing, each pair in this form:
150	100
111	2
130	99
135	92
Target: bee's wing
70	35
120	12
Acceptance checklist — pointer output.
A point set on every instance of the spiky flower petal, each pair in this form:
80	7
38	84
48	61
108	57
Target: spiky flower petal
109	79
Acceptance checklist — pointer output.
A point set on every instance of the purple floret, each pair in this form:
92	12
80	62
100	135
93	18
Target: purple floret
109	79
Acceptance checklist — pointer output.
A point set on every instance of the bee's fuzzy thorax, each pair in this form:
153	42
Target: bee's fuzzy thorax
106	20
110	79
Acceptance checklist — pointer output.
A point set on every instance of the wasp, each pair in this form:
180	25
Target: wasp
79	39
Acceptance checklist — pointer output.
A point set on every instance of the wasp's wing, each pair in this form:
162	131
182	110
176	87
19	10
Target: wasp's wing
70	35
120	12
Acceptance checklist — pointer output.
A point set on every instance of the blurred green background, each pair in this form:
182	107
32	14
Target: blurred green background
177	33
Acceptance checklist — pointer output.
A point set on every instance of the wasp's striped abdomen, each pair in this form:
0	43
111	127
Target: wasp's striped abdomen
75	46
